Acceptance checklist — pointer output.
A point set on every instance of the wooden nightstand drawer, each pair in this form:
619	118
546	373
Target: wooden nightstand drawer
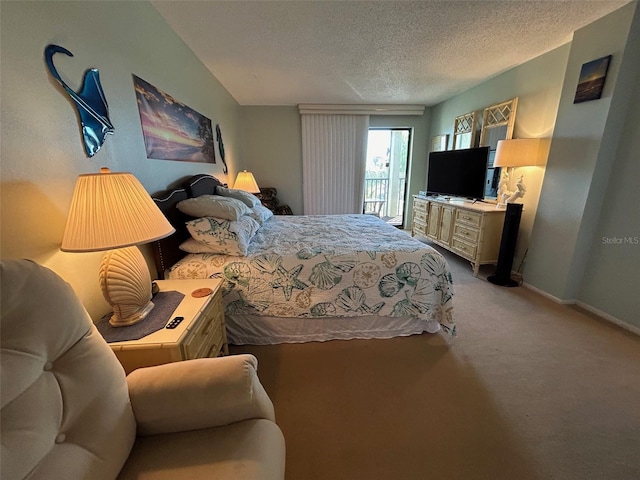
470	218
471	235
214	346
208	332
196	339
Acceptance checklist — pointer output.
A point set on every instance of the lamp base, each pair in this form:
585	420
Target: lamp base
502	282
117	321
126	285
502	276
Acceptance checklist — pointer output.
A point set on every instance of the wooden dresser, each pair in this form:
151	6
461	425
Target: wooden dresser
471	230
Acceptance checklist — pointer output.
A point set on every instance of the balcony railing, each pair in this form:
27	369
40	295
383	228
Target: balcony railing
377	189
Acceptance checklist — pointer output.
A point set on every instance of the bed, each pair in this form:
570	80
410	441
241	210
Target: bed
313	278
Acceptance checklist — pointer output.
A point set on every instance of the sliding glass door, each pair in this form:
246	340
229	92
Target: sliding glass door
386	173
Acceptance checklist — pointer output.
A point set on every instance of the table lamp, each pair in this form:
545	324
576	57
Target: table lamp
520	152
113	212
245	181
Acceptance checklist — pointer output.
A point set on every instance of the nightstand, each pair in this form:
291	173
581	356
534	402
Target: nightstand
202	333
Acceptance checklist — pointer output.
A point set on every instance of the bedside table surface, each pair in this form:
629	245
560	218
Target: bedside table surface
189	308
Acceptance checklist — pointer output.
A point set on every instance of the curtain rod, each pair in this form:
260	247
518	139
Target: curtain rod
333	109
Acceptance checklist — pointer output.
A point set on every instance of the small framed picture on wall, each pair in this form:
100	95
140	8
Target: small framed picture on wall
591	81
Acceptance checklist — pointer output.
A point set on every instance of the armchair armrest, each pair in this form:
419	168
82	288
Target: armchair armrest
195	394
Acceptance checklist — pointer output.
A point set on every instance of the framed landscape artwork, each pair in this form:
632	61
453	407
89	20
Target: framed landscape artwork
171	129
439	143
592	77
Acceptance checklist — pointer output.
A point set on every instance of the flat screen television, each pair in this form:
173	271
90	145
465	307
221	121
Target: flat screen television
458	173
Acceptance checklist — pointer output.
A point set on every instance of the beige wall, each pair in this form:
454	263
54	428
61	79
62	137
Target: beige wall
41	149
599	216
537	84
271	148
587	194
584	148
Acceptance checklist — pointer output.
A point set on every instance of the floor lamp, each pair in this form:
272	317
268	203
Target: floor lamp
511	154
113	212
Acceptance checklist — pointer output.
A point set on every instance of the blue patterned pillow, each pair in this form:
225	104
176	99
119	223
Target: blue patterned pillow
224	236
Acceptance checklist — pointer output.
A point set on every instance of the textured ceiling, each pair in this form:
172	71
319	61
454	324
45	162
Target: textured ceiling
361	52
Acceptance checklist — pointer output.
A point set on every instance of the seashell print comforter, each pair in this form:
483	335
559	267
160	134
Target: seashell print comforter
330	266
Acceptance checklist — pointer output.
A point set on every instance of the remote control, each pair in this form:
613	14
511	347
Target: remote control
174	323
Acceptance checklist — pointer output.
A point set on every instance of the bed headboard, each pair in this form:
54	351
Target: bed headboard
166	251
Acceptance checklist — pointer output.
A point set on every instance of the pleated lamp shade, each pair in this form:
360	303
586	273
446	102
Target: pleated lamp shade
519	152
113	211
246	181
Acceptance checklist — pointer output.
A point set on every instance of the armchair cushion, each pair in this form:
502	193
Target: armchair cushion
248	450
196	394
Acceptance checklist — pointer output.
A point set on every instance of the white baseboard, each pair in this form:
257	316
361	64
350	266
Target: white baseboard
548	295
608	317
585	306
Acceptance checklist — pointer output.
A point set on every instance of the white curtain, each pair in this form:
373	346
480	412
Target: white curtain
334	150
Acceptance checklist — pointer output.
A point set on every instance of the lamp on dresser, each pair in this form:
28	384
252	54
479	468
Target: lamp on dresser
511	154
113	212
247	182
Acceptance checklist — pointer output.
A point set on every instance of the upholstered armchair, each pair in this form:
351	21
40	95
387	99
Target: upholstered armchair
69	412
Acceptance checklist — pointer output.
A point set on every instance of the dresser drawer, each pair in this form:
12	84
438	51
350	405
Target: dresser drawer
420	228
469	218
471	235
464	249
420	216
420	205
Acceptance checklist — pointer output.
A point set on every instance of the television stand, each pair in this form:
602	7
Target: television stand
470	230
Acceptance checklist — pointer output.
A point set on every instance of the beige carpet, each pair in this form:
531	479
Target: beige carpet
527	390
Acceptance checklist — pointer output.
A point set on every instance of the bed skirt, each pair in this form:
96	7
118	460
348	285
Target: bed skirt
265	330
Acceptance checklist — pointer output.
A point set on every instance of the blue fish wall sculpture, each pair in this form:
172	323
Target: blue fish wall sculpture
90	102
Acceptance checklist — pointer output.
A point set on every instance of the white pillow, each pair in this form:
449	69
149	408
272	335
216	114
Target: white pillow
260	213
191	245
213	206
249	199
224	236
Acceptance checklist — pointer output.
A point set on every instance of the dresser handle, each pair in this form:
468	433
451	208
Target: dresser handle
207	328
213	347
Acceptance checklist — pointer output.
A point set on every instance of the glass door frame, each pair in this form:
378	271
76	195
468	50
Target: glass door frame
401	195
